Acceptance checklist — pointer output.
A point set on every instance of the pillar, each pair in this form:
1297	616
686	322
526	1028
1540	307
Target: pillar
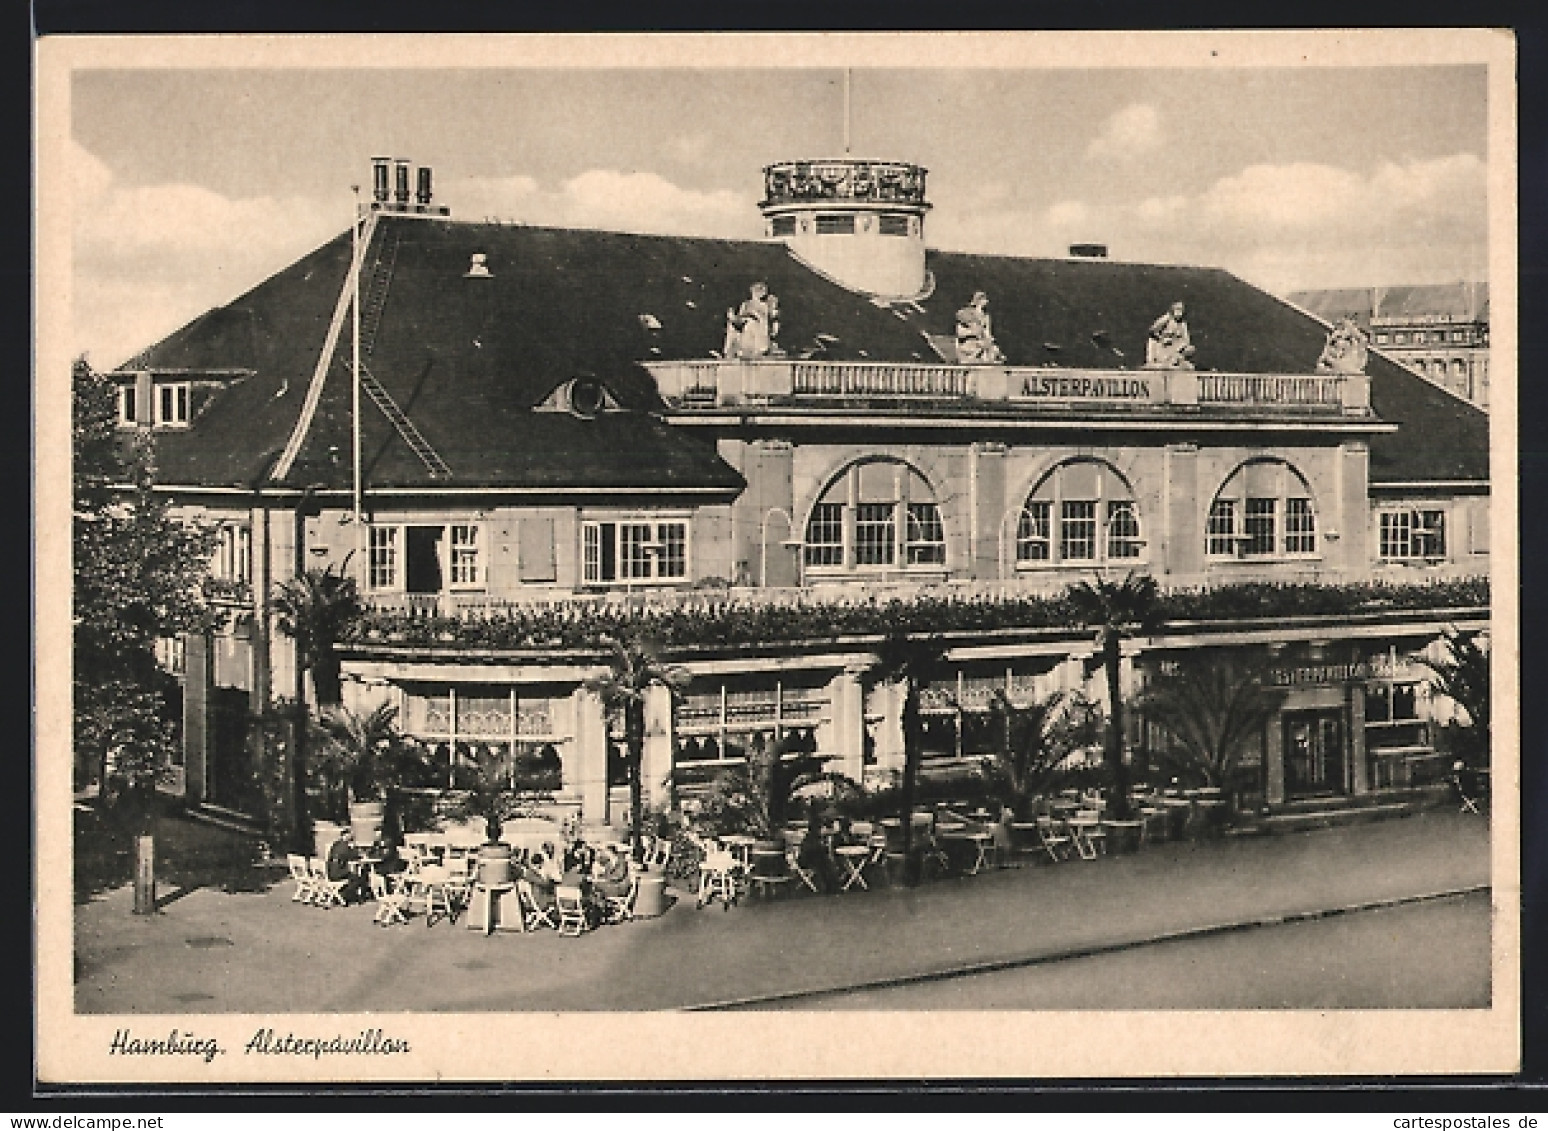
586	765
1354	508
198	705
1359	780
1274	762
890	754
659	742
846	696
992	532
1182	541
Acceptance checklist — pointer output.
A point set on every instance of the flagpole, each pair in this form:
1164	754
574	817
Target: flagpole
847	74
354	369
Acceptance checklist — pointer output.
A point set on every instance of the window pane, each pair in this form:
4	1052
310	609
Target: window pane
1077	531
1429	539
1394	539
1300	527
1222	527
875	534
633	554
384	557
591	553
1258	526
926	535
1122	530
126	403
1405	701
672	560
464	555
1032	536
825	535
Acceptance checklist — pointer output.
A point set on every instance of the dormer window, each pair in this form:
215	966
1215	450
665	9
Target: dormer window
585	397
172	404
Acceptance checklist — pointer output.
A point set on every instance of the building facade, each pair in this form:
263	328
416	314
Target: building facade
579	422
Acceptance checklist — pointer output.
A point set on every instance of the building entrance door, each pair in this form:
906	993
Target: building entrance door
1314	753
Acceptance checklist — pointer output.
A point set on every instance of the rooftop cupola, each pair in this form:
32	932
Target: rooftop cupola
859	222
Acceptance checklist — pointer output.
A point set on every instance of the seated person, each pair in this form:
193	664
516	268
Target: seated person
388	860
342	855
813	853
537	872
610	874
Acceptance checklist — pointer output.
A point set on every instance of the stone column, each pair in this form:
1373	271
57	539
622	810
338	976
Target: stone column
890	753
846	696
585	759
198	705
659	739
1274	762
1359	779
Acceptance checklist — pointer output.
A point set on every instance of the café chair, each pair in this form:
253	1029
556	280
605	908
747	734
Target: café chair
329	893
391	900
306	887
572	911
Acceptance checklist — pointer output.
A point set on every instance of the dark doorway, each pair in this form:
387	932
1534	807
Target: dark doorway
424	559
232	773
1314	753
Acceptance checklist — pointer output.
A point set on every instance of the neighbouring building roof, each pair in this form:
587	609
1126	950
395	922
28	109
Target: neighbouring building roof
468	359
1464	301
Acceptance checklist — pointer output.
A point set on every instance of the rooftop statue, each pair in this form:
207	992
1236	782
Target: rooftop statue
975	335
1346	350
752	327
1168	346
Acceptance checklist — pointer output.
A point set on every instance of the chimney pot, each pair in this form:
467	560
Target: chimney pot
401	184
423	195
379	179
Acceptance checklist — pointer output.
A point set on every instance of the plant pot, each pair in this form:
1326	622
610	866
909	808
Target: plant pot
651	899
324	833
365	821
494	864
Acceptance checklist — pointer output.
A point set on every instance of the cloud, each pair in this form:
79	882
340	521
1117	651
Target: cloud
1282	226
148	258
608	198
1132	131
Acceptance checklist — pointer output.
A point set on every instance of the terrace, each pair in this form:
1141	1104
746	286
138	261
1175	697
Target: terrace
716	384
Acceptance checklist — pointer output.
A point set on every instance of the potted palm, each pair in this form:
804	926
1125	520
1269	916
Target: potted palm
491	800
365	753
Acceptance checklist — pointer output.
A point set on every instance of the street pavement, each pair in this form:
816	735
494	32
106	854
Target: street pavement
209	951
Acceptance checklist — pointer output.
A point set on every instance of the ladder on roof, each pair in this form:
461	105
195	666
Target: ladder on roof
376	292
399	420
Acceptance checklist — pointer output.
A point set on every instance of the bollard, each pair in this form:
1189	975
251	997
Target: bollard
144	875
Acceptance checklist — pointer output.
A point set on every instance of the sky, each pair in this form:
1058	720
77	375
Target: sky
192	186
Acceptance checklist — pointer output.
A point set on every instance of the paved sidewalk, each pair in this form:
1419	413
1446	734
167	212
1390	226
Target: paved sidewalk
210	951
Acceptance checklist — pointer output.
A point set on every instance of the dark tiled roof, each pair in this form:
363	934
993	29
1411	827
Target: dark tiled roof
468	358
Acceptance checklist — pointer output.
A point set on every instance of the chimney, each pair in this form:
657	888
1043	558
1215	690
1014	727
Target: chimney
1088	251
379	179
422	197
401	184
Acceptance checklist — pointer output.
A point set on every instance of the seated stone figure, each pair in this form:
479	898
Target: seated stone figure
975	334
1168	345
1347	348
752	328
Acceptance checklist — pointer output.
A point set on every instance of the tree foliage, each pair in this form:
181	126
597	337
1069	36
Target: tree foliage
1036	742
634	667
1212	705
759	798
1116	609
1462	675
318	609
137	574
911	661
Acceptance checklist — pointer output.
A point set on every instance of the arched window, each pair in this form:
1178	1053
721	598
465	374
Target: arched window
1081	511
1263	510
877	514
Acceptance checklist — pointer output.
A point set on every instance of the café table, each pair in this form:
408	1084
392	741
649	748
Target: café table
1083	830
489	911
740	845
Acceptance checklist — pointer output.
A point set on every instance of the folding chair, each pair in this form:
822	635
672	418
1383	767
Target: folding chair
461	872
329	893
306	887
391	900
1055	843
533	913
572	911
805	875
1466	785
1090	836
620	908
